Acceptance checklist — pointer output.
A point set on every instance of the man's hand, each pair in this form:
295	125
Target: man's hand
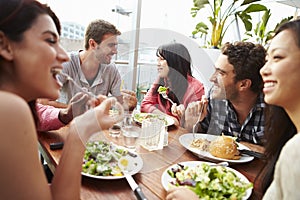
193	110
129	99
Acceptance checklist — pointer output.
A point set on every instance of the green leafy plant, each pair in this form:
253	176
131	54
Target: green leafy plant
260	34
223	14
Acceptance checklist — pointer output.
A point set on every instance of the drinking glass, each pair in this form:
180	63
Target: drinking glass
153	134
115	130
130	136
128	119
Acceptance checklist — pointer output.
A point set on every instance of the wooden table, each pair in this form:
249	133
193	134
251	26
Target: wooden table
149	178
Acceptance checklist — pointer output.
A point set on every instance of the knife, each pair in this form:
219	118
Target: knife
252	153
134	186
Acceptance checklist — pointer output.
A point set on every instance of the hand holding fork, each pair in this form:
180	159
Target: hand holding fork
195	113
82	89
176	110
165	96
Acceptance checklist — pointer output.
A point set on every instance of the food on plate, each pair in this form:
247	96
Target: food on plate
210	182
101	159
162	89
225	147
201	144
140	117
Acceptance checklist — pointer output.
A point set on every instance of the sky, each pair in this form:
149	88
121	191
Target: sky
162	14
155	13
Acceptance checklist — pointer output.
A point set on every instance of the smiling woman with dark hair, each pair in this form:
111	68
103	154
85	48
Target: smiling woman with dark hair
30	54
174	71
281	81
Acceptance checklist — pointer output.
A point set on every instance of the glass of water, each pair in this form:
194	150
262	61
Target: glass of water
130	136
153	133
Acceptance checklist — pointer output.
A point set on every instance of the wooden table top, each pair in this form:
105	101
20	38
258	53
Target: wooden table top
149	178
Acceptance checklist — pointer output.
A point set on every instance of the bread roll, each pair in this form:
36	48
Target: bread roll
224	147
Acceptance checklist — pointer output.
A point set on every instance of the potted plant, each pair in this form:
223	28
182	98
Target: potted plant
223	14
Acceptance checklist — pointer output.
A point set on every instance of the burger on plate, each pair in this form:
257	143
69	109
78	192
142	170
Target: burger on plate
225	147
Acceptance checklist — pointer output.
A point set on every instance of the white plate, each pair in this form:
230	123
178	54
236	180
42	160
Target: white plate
169	120
186	140
166	178
135	163
138	162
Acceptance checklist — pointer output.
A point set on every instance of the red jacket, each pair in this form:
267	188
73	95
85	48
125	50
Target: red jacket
151	101
48	118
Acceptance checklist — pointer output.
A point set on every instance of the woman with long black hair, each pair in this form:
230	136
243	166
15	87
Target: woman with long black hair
174	74
281	79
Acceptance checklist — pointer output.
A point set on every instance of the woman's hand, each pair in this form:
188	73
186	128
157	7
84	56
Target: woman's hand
78	105
181	193
178	110
97	119
96	102
105	119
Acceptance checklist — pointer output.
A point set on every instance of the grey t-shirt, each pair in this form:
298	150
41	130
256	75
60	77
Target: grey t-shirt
107	81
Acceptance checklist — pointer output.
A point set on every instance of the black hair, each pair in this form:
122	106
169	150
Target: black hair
17	16
278	128
179	62
247	59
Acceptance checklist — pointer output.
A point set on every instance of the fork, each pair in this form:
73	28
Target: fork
59	71
208	95
197	122
165	96
222	164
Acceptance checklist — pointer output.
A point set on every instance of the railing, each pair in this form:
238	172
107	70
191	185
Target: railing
146	75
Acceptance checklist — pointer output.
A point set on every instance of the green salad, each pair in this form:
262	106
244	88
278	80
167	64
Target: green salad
101	159
210	182
162	89
140	117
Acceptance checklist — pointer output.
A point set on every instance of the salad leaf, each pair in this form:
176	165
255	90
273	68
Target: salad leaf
162	89
101	159
140	117
210	182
